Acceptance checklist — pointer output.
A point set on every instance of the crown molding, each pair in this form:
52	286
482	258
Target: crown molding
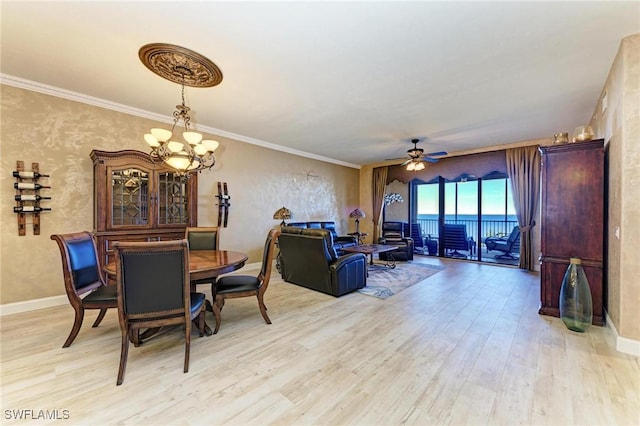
34	86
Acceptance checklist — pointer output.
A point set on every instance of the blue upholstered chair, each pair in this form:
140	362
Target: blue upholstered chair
83	279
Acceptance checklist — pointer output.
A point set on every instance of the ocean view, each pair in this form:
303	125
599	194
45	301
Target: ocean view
492	224
466	217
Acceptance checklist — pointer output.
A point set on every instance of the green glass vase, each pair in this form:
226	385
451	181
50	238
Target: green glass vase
576	309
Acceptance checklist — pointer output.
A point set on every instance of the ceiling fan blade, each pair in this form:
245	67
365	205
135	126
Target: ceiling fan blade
407	162
430	160
436	154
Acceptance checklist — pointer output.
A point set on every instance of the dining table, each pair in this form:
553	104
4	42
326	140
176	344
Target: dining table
203	264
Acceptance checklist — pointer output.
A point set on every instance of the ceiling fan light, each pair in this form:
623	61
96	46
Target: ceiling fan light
419	166
411	166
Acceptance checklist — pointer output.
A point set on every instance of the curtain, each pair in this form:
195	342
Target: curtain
378	187
523	168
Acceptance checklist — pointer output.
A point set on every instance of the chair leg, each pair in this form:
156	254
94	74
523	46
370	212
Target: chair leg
187	347
101	315
263	308
201	321
209	305
77	323
218	303
134	337
124	353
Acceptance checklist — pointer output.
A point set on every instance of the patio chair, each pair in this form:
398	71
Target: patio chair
415	233
455	238
508	246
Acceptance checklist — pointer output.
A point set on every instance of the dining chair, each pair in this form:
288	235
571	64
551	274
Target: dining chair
233	286
83	279
152	280
203	238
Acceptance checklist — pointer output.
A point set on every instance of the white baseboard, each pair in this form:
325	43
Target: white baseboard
48	302
623	344
33	305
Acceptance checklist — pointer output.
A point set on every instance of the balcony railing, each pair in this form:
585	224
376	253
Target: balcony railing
489	227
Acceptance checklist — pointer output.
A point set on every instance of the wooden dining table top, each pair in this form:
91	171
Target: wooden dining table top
205	263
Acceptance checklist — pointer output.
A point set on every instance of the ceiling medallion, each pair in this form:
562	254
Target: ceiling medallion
180	65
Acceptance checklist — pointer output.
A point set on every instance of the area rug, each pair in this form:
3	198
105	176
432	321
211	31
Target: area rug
384	282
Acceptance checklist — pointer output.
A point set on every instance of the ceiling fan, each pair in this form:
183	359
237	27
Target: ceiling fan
417	157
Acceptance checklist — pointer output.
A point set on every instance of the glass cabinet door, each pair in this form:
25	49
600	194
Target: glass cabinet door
173	199
130	197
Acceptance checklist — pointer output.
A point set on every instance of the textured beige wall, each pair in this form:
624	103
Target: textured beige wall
619	125
59	134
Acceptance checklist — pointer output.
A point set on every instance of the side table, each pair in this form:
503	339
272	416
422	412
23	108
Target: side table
359	235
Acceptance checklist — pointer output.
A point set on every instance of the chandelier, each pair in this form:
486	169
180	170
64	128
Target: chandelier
183	66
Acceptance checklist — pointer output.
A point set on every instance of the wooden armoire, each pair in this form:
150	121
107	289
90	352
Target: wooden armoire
572	220
139	199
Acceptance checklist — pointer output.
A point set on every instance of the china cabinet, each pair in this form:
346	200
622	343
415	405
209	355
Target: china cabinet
138	199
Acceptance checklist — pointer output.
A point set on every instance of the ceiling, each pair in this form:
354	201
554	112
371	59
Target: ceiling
348	81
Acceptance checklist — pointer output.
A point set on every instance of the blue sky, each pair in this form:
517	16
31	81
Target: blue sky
493	195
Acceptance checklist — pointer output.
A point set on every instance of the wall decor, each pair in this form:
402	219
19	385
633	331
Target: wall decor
28	196
223	204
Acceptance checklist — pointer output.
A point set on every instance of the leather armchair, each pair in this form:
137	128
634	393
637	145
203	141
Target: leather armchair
339	241
393	235
309	259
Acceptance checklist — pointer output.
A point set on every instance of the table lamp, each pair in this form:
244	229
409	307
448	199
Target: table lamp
282	214
357	214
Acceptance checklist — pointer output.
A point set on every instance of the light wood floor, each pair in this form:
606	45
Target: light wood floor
465	346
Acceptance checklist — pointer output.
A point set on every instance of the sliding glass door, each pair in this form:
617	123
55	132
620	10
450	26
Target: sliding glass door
498	221
477	209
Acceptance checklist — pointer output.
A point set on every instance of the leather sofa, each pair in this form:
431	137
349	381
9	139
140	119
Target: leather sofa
393	235
308	259
339	242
